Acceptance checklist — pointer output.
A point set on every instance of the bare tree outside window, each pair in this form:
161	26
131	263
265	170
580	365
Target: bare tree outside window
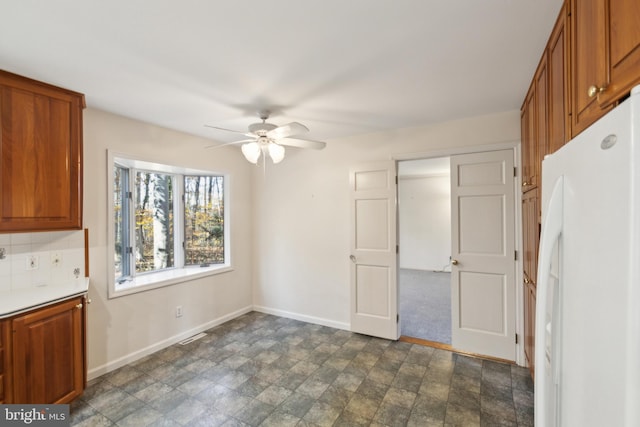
204	220
154	221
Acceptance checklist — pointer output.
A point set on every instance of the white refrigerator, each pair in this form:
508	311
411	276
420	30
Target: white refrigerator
587	357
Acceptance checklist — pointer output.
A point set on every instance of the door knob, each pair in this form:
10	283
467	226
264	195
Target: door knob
352	258
595	90
454	261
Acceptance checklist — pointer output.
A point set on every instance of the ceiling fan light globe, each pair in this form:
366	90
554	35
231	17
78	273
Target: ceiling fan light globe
276	152
251	152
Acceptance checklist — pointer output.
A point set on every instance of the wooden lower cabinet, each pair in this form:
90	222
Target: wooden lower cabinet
530	240
4	349
47	362
530	234
530	326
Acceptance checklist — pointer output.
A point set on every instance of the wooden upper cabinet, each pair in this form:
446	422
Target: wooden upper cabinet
559	123
624	54
40	156
605	56
528	132
588	61
542	123
534	128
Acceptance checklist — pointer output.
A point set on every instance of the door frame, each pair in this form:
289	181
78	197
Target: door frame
516	147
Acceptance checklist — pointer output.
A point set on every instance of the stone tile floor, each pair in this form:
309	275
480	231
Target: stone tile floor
263	370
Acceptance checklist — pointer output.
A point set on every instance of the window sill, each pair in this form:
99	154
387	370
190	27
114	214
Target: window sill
145	282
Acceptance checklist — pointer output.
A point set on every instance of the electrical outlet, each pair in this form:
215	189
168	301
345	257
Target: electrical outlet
179	311
33	262
56	259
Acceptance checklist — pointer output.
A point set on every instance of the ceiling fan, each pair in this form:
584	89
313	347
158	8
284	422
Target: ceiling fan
267	138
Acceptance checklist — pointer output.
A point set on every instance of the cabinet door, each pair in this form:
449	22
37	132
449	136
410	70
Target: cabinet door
558	69
624	50
530	326
5	368
40	156
530	235
530	241
48	358
589	63
528	131
542	126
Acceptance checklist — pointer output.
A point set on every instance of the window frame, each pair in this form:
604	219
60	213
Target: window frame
180	273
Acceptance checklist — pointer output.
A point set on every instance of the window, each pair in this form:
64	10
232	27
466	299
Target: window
153	207
168	224
204	220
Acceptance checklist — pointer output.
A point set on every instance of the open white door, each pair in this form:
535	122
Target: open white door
374	296
483	253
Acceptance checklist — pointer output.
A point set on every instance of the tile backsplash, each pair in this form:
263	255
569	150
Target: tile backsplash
32	259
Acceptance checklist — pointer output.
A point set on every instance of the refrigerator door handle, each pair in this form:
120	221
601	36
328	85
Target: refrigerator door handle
551	231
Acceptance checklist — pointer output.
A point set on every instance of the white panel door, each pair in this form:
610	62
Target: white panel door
483	253
374	295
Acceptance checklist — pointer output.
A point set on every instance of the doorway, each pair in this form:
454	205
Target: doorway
424	238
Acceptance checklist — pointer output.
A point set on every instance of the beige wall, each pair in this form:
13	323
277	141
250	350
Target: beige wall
424	222
125	328
289	229
302	232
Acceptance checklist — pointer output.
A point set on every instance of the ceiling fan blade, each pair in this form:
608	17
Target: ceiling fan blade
229	143
284	131
302	143
230	130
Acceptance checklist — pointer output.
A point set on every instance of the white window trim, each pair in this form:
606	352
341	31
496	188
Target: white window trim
171	276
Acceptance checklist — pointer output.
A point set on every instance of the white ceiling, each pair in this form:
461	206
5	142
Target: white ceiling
341	67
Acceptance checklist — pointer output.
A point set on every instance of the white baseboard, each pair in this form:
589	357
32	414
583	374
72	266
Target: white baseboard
132	357
303	317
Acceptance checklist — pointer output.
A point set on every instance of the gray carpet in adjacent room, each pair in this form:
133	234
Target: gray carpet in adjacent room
425	305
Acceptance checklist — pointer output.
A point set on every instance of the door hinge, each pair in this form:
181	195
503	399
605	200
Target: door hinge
396	179
515	255
517	339
515	172
397	248
397	318
129	195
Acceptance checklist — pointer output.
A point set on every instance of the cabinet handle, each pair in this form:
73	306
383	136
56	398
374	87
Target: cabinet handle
595	90
79	306
455	262
525	184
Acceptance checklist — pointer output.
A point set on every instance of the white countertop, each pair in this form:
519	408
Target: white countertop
20	300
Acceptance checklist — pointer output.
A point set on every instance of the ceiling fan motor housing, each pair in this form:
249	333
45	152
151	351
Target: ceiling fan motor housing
261	128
